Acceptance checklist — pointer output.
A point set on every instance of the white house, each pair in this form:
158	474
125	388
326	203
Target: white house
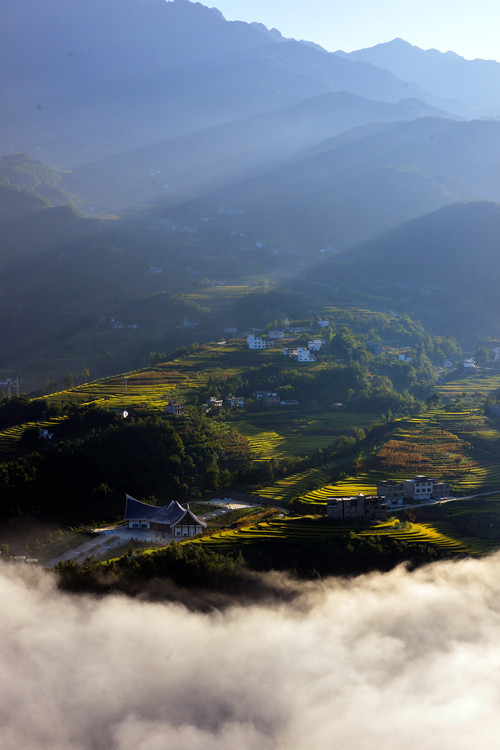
256	342
324	323
213	401
469	364
235	401
175	408
304	355
315	345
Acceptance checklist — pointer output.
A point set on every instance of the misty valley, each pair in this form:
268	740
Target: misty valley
249	385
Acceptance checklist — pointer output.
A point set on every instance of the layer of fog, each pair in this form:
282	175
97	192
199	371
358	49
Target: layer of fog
386	661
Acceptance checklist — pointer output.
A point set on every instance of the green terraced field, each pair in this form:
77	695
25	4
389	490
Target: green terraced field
285	490
418	532
284	432
457	446
472	385
310	529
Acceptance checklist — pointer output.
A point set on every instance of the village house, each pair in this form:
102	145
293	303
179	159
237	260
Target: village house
44	434
392	490
360	507
256	342
469	364
300	354
171	519
324	323
175	408
213	401
413	490
315	345
271	400
304	355
276	333
235	401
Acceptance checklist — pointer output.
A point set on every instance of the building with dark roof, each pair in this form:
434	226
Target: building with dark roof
172	519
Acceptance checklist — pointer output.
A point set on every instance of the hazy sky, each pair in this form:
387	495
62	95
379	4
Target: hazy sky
470	29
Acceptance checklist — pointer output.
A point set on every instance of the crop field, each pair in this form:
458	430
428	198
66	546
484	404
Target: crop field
303	528
472	385
475	522
457	446
296	485
10	437
418	532
285	432
310	529
215	296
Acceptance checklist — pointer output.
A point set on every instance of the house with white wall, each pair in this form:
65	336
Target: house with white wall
304	355
256	342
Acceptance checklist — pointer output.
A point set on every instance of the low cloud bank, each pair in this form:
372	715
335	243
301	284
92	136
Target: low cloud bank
387	661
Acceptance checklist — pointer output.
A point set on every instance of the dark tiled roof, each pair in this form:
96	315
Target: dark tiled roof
171	514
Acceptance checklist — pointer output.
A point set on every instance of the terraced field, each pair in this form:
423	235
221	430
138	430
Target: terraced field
419	532
303	528
147	388
279	433
310	529
296	485
458	446
483	382
12	435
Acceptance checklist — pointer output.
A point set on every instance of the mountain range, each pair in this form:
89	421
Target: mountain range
142	135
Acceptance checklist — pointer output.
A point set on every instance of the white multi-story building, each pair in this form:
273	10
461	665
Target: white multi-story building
256	342
304	355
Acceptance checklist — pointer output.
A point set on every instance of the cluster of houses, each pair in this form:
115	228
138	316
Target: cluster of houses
117	324
265	398
231	402
299	353
271	398
390	494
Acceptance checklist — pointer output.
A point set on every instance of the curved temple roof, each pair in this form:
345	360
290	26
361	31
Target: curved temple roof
172	514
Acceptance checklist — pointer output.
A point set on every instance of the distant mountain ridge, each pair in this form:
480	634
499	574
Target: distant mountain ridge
83	80
476	83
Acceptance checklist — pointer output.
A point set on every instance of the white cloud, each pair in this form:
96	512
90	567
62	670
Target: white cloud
388	661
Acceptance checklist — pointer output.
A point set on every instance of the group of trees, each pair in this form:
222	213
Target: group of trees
85	478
